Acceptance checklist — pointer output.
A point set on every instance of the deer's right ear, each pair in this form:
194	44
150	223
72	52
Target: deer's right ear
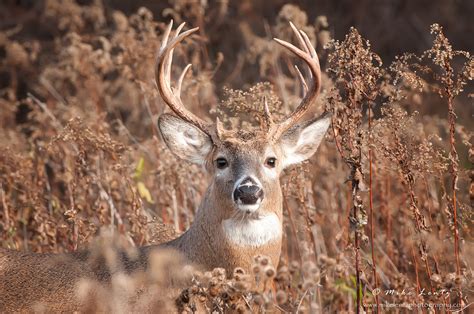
184	139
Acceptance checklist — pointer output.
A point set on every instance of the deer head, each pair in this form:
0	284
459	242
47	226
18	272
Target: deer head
245	166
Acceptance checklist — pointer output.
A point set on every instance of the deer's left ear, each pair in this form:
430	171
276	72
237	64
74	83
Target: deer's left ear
302	140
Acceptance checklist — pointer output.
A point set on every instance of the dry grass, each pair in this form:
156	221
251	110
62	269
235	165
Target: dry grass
384	206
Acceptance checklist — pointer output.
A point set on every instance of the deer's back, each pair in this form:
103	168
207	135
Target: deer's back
28	279
53	280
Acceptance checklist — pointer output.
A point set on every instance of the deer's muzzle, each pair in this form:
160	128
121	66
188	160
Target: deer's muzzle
248	194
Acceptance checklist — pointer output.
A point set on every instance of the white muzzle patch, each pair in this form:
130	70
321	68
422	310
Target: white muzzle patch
249	208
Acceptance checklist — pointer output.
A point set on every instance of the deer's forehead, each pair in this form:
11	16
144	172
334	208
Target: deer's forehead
248	148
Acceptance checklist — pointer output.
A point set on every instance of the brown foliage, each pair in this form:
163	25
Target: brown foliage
79	149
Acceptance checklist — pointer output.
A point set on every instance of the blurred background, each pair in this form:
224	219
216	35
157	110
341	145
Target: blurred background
392	26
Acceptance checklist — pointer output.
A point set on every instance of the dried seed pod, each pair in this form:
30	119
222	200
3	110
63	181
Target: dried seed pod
281	297
258	300
270	271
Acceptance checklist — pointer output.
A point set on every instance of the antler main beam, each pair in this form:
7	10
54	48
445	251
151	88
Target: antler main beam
172	96
308	54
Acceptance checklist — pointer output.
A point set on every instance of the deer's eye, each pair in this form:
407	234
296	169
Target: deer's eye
270	162
221	163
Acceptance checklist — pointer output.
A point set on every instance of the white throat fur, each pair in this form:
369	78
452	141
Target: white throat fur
253	232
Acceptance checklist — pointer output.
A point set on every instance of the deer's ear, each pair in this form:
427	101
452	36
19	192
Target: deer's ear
184	139
302	140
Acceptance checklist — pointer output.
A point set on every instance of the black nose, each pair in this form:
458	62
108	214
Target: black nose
248	192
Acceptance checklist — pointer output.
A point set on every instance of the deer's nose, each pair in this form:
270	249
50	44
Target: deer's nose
248	192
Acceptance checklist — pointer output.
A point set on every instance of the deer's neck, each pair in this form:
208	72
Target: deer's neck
214	240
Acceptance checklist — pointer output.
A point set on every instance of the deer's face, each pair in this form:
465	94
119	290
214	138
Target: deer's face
245	174
245	168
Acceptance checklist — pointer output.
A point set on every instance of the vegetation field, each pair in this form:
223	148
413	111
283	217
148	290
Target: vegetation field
380	219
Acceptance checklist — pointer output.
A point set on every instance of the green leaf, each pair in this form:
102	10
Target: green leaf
343	286
144	192
139	168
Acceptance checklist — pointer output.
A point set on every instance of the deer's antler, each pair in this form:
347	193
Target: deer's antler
309	56
172	96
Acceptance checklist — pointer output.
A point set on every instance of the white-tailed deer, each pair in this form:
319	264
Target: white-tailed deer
241	213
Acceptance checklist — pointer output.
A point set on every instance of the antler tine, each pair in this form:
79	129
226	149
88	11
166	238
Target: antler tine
267	121
166	35
163	77
299	37
302	80
309	56
309	45
169	58
181	78
303	43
